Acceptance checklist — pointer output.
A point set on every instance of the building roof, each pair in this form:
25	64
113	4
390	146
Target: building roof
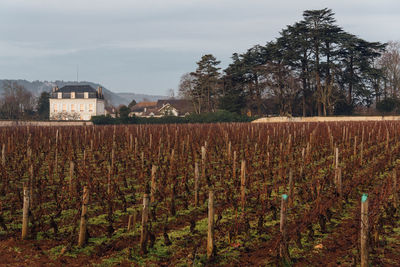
146	104
183	106
76	89
142	105
79	90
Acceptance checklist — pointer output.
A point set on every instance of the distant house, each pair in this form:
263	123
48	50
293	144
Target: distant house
76	102
110	111
175	107
142	109
168	110
170	107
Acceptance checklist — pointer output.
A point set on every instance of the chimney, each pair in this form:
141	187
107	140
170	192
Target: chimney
100	92
55	89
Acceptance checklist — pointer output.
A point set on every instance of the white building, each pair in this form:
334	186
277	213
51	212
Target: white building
76	102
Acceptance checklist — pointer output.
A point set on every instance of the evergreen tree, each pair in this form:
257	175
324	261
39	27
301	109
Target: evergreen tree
206	82
132	104
43	106
313	68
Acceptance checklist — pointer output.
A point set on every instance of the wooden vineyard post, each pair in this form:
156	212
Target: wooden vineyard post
55	158
136	146
25	213
364	230
144	230
83	225
9	144
71	173
112	158
210	236
203	162
3	154
196	184
291	188
234	165
336	158
172	157
153	184
159	147
303	161
130	142
132	222
84	158
109	179
243	184
57	138
150	141
395	195
283	250
339	182
343	134
229	150
387	139
31	182
355	147
335	180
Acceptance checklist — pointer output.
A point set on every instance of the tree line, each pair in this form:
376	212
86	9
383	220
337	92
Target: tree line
16	102
314	68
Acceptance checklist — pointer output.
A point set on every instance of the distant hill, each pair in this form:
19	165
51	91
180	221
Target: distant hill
115	99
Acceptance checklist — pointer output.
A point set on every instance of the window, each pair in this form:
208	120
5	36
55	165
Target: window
72	94
59	95
86	95
72	108
64	107
55	107
82	108
90	107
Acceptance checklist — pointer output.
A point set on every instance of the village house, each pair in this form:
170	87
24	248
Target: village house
110	111
143	109
175	107
76	102
161	108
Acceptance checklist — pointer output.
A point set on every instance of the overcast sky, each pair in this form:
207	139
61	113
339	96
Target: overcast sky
144	46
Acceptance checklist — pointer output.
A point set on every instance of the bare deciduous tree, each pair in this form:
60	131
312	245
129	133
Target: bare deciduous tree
16	101
187	90
390	65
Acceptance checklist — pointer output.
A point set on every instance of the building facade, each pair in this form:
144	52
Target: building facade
76	102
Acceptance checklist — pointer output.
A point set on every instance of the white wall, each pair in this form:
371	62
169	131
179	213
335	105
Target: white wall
327	119
97	106
100	107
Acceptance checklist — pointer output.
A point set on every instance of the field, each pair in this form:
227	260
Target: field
282	193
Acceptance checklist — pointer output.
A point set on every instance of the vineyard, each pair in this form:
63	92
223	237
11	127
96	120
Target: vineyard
238	194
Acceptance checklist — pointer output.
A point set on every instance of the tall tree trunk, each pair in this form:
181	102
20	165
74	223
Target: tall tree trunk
317	76
350	98
304	80
258	95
